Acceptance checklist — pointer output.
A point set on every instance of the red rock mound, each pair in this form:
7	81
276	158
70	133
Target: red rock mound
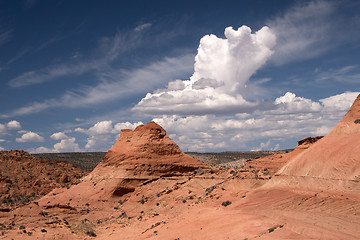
147	150
24	177
137	158
336	156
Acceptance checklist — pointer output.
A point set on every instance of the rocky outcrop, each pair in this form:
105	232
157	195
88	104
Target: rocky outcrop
307	142
24	177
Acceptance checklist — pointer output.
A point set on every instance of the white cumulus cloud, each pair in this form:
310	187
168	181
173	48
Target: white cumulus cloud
221	72
294	118
103	127
30	137
340	102
13	125
59	136
126	125
290	103
103	134
67	145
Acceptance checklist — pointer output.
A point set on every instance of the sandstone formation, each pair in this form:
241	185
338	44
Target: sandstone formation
145	153
146	188
137	158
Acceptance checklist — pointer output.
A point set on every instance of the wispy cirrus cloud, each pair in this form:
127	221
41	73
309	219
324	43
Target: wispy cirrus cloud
5	37
143	26
303	31
347	74
115	84
312	28
18	55
108	50
324	77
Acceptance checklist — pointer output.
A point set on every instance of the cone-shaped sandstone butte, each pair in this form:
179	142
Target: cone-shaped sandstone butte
336	156
140	156
148	150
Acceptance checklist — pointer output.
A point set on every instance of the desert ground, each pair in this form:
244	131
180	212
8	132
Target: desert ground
145	187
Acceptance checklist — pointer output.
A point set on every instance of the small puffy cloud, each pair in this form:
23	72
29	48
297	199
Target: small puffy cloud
91	143
126	125
290	103
2	149
2	140
103	127
67	145
13	125
59	136
221	72
263	146
99	142
102	134
40	150
106	128
277	147
30	137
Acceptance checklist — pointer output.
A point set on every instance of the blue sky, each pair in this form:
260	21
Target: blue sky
218	76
